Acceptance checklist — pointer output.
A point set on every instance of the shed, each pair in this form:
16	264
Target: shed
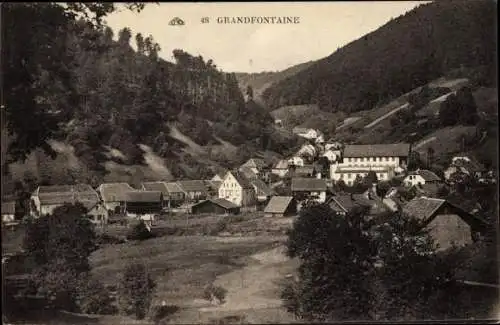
216	206
280	206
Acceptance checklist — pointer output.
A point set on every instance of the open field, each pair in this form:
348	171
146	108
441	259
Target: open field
183	266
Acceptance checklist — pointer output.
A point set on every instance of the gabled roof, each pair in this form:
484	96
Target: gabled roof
261	188
255	163
8	207
192	186
248	172
377	150
308	184
114	192
61	194
155	186
173	187
213	184
282	164
298	130
345	202
304	170
243	180
220	202
427	175
278	204
422	208
143	196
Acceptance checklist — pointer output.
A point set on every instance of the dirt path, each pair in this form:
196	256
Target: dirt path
253	291
423	142
386	115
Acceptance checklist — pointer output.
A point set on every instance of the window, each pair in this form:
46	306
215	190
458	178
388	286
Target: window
386	159
349	175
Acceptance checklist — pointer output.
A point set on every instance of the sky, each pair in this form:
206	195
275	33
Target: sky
323	27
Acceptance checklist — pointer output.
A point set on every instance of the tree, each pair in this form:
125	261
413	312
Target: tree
37	67
135	290
139	232
352	268
59	245
249	92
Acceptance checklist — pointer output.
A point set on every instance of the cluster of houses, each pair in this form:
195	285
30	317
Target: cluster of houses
254	186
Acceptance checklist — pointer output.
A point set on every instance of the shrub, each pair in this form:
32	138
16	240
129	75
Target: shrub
158	313
95	298
139	232
135	291
212	292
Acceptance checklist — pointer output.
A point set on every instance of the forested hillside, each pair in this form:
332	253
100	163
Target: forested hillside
405	53
71	80
263	80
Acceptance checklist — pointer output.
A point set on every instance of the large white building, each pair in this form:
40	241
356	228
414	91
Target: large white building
386	160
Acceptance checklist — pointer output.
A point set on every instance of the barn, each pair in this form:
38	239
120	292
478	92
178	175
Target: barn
215	206
280	206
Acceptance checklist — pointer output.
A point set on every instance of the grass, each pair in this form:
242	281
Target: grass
182	265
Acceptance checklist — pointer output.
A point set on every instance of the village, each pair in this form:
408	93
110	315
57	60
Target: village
322	171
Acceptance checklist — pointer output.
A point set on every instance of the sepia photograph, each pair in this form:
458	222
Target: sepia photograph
249	162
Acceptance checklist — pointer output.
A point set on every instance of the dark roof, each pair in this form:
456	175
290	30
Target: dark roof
377	150
213	184
304	170
248	172
472	165
220	202
428	189
242	179
422	208
427	175
278	204
155	186
8	207
345	202
261	188
114	192
308	184
143	196
55	189
192	186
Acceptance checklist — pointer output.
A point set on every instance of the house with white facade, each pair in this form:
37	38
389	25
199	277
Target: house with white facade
281	168
238	189
421	177
332	155
296	161
359	160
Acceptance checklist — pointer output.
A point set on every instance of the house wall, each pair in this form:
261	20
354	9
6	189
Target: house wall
279	172
446	229
336	173
231	190
297	161
99	214
209	207
412	180
320	196
7	217
196	195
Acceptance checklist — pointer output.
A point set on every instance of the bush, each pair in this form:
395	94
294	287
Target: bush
158	313
95	298
135	291
139	232
212	292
